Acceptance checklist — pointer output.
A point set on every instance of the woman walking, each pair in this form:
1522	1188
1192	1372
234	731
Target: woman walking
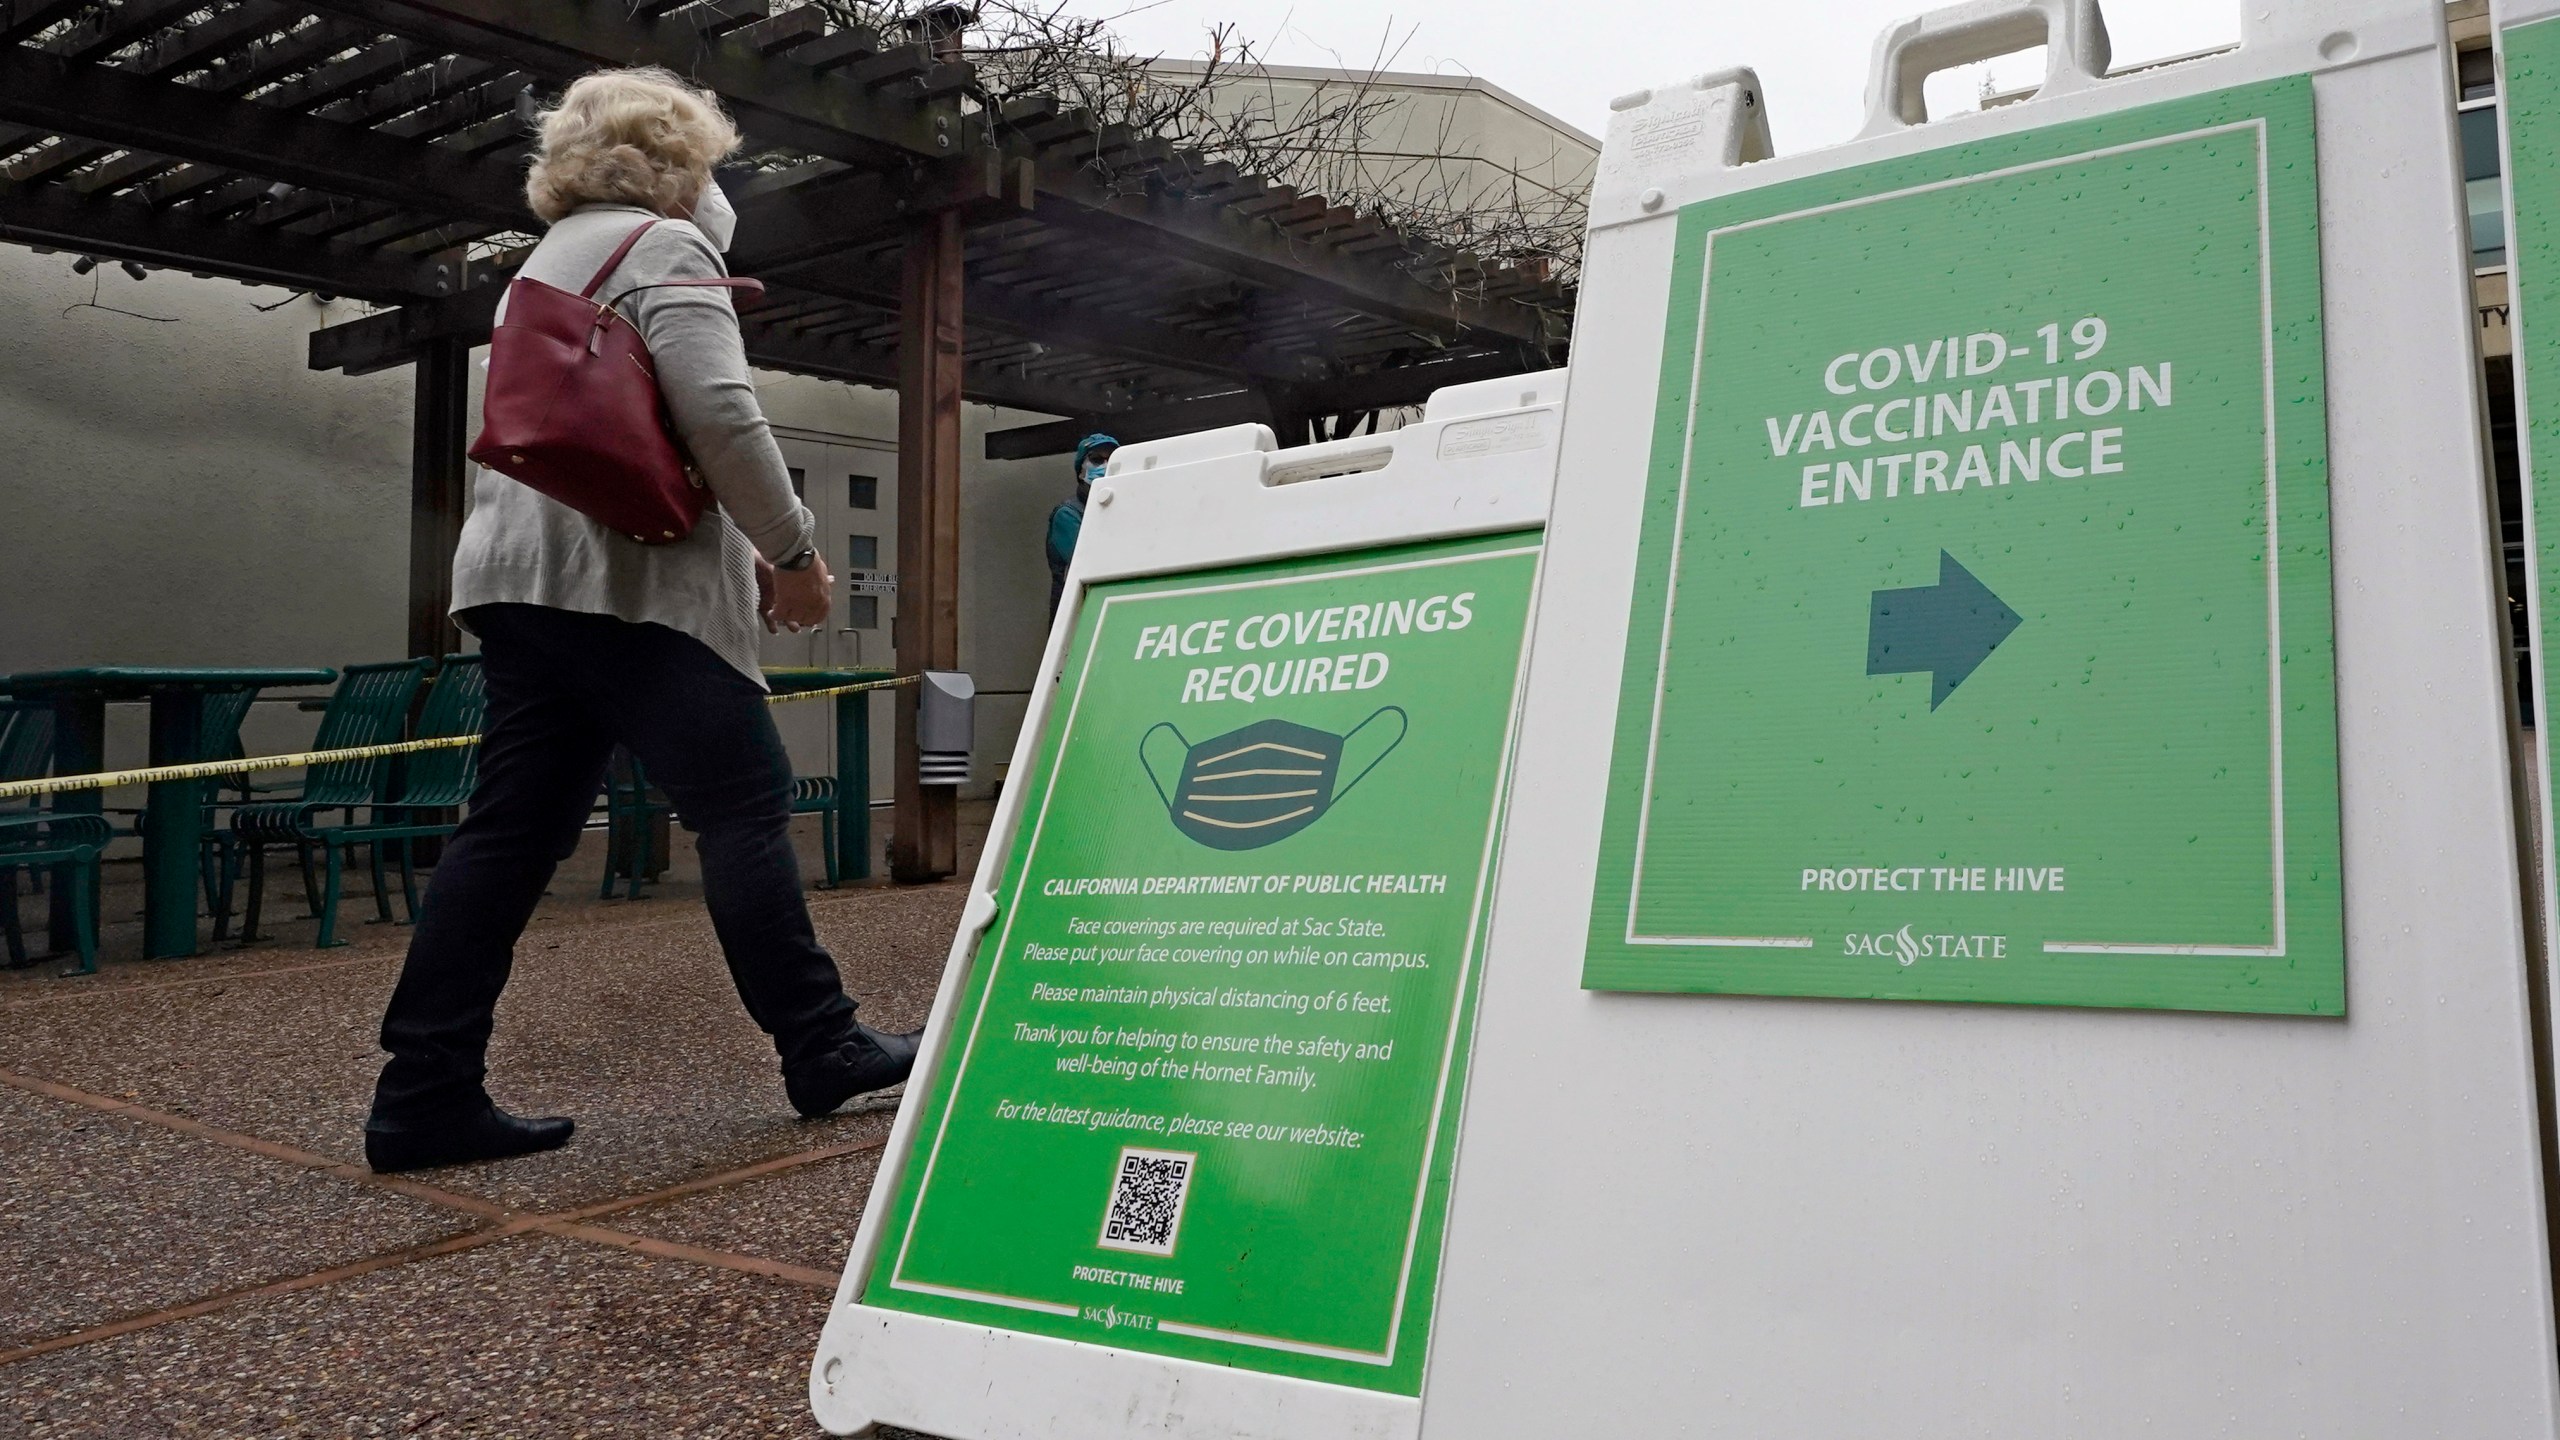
590	640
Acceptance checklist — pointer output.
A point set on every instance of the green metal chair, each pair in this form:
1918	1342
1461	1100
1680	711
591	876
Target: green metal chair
369	707
817	795
218	739
436	781
224	713
26	749
26	753
631	810
75	842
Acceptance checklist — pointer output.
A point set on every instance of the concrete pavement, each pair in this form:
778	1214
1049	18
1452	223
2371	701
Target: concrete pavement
190	1246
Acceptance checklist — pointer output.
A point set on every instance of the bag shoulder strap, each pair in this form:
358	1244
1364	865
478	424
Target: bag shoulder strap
754	289
613	261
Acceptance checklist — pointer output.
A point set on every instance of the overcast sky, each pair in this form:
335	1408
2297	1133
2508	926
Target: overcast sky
1569	59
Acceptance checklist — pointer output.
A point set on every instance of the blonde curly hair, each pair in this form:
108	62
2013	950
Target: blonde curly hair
628	137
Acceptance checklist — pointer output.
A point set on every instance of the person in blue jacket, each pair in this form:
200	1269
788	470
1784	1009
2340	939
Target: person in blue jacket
1066	522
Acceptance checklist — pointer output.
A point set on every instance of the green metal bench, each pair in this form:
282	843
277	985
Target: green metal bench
631	809
369	707
72	842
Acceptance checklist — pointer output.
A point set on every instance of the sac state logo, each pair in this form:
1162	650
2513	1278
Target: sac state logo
1905	947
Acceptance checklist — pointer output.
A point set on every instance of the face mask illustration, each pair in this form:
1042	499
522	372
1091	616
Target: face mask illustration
1263	783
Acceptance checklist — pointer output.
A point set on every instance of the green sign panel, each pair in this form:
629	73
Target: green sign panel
2530	95
1204	1082
1980	647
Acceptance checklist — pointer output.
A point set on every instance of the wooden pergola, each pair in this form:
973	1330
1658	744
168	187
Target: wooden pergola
374	149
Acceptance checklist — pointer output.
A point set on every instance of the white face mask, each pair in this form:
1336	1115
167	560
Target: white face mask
713	217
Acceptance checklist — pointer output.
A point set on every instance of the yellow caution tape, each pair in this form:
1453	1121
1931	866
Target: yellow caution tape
854	689
207	769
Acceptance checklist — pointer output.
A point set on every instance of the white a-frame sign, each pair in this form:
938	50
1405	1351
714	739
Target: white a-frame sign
1176	1159
2035	564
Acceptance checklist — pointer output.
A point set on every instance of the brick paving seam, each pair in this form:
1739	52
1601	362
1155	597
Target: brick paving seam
87	987
757	1171
676	1250
573	1224
73	990
225	1299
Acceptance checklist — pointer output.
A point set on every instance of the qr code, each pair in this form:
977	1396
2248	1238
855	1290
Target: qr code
1146	1201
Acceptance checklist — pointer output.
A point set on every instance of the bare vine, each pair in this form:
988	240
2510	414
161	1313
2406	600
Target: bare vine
1318	138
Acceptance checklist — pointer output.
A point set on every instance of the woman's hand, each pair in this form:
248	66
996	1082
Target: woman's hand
795	599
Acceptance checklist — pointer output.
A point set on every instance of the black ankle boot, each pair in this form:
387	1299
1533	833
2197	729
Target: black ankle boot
486	1134
867	1060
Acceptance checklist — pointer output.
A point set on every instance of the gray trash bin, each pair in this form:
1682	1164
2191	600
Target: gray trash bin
946	726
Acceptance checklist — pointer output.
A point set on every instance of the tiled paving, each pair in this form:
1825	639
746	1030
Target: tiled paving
92	1235
797	1217
189	1245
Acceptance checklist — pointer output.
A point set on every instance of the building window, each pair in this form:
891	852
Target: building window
799	482
2480	170
862	612
861	552
2476	71
862	492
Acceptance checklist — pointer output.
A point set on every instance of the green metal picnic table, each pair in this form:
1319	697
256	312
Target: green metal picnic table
853	753
173	828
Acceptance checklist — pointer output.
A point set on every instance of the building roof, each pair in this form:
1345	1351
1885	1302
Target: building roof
1398	80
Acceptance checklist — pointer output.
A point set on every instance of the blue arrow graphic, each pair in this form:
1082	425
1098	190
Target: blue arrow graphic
1947	629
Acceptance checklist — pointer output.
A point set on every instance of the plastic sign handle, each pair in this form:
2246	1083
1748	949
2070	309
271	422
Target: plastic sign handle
2073	33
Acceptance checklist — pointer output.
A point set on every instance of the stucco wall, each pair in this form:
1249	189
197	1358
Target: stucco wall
181	490
1004	577
189	493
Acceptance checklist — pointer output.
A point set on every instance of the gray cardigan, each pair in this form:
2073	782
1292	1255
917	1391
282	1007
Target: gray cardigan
520	546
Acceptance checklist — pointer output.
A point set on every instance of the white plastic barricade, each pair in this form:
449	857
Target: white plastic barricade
1176	1158
2038	558
2527	199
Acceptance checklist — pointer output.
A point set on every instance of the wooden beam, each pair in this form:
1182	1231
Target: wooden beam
780	347
97	102
1155	422
777	101
119	229
1082	328
439	411
396	337
20	19
783	101
924	841
1134	221
777	229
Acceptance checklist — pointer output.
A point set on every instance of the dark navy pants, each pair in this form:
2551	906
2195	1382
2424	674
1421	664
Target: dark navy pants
564	688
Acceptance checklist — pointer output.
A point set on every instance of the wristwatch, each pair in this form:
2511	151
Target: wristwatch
808	556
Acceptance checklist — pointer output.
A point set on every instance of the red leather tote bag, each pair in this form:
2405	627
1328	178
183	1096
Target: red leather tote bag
573	408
